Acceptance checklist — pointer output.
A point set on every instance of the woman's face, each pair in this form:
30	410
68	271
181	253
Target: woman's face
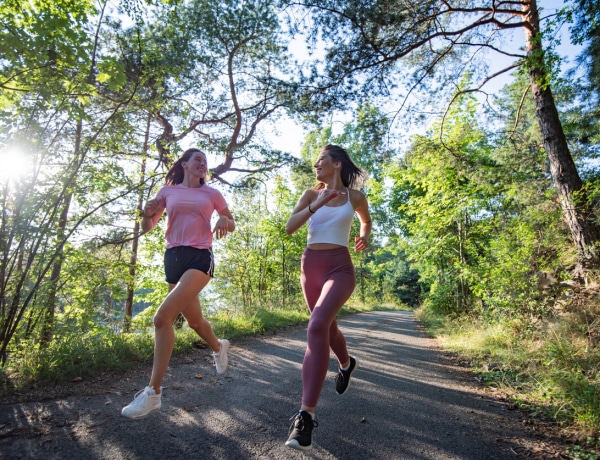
196	165
326	167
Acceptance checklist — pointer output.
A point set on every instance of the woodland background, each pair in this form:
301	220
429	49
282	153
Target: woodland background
485	199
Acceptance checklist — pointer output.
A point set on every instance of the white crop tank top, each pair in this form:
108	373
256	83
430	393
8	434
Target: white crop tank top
331	224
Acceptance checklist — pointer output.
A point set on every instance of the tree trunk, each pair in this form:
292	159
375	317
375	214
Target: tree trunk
136	237
50	305
47	331
574	204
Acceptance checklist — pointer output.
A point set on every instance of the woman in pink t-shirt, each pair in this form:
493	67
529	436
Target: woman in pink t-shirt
189	266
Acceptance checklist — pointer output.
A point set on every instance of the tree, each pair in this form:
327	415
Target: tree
430	36
214	70
448	206
43	67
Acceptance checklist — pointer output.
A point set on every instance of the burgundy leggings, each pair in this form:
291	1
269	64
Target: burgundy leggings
327	282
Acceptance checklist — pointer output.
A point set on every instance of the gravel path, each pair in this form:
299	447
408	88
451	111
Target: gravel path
407	401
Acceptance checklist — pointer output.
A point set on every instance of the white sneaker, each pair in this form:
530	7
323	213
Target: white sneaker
220	358
145	402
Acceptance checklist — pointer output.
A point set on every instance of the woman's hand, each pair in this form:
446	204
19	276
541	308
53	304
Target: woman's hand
221	227
325	196
361	243
150	208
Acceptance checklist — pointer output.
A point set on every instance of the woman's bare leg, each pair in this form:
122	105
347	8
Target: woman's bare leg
195	319
179	298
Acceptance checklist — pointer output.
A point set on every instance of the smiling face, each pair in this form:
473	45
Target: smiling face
326	167
196	165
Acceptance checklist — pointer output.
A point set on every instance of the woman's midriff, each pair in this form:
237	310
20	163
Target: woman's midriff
321	246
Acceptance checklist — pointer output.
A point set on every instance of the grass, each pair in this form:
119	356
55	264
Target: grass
550	367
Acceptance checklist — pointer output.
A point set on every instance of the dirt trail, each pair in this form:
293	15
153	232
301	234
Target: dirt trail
407	400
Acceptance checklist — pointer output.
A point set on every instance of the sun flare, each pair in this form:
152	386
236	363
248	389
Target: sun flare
14	165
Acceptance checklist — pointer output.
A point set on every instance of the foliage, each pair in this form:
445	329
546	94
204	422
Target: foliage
77	355
260	322
479	222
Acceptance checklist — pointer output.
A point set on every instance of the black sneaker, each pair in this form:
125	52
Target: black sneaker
342	381
301	431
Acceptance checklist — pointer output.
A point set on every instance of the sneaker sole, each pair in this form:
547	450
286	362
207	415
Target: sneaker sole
350	381
295	445
137	417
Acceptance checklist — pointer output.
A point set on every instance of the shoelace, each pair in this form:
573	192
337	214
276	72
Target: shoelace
140	397
298	422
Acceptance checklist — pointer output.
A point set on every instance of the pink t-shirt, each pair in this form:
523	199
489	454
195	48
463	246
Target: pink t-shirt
188	214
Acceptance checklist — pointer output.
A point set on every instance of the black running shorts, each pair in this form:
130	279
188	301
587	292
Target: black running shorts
182	258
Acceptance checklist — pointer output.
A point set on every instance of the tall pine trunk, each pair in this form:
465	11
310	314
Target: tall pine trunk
574	204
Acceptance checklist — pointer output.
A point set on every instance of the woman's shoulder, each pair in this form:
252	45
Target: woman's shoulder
164	190
356	197
214	195
310	193
356	194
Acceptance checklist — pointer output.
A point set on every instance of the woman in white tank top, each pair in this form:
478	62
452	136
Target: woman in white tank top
327	276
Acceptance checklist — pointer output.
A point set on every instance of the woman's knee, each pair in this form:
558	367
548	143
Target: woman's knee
163	318
159	322
317	326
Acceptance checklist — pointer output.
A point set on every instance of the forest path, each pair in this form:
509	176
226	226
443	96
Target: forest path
407	400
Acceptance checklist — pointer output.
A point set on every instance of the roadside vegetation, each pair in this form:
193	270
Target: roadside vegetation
547	366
